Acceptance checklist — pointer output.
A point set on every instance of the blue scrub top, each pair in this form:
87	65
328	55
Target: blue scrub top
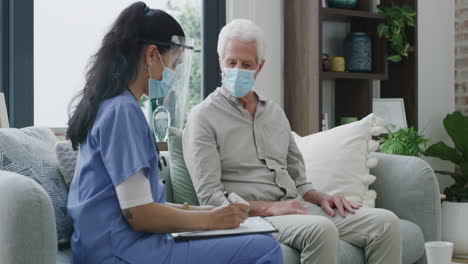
118	145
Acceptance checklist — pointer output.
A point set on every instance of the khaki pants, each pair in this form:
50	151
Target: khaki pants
316	235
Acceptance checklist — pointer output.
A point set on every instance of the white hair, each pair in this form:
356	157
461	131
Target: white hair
246	31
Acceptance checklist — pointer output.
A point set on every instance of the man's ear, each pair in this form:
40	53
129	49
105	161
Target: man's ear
260	67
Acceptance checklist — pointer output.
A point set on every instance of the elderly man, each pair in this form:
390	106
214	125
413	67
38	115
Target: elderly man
239	141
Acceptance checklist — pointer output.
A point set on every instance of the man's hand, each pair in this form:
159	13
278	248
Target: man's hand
329	202
263	208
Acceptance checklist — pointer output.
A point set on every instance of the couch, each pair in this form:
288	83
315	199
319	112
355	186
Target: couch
405	185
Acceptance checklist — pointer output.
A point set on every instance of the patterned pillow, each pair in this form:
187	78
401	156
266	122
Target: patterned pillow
30	152
66	158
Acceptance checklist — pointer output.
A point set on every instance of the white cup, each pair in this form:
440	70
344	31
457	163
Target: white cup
439	252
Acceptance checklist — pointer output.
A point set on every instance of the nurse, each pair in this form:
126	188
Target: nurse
116	201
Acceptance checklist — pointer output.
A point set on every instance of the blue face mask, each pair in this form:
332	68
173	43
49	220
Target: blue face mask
159	89
239	81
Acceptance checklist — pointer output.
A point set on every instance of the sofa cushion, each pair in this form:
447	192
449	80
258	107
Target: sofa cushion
182	186
66	158
31	152
338	161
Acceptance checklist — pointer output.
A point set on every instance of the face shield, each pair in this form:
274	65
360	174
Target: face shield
169	110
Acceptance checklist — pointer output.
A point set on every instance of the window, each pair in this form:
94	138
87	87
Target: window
67	34
45	47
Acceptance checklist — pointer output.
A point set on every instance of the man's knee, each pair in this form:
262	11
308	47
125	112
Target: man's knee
324	228
387	219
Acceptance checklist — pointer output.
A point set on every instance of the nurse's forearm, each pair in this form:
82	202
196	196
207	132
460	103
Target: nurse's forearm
160	218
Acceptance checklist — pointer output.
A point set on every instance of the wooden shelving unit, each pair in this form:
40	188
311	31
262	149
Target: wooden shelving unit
352	75
304	76
348	15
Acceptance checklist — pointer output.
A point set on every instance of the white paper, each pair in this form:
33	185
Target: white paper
251	225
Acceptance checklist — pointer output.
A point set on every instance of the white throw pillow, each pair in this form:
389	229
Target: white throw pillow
338	161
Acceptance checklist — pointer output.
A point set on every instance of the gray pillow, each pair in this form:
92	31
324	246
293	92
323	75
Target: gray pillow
66	158
182	185
31	152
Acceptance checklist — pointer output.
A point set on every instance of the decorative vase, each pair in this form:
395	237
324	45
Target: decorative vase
454	229
347	4
358	52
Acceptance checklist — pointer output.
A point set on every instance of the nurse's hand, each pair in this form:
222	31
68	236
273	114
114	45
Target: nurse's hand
227	217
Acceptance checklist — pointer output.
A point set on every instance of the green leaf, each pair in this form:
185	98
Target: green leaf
410	21
398	41
406	141
442	151
407	9
457	128
405	50
380	9
382	30
394	58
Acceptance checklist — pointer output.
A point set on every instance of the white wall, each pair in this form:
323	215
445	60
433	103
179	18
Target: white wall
267	14
436	72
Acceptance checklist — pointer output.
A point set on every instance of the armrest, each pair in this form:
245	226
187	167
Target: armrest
408	187
27	221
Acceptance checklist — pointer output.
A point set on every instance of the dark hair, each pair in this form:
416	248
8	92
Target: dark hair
115	65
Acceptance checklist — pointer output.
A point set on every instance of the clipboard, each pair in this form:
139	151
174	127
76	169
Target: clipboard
252	225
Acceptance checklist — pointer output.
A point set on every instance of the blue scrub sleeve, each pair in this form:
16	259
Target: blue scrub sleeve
124	141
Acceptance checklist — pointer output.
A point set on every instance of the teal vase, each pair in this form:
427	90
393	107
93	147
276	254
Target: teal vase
348	4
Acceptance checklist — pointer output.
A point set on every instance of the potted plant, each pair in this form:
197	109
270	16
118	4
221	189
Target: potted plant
455	208
398	19
405	141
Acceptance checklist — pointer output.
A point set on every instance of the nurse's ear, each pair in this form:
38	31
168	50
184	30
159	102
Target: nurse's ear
152	62
151	54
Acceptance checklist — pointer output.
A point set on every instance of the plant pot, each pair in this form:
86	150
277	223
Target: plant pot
454	219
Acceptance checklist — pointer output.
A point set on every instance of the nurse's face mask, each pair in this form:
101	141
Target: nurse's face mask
166	96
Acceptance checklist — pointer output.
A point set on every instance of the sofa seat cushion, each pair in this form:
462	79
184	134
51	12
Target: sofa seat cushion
412	244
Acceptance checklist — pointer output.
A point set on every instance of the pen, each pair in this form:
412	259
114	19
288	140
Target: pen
226	194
